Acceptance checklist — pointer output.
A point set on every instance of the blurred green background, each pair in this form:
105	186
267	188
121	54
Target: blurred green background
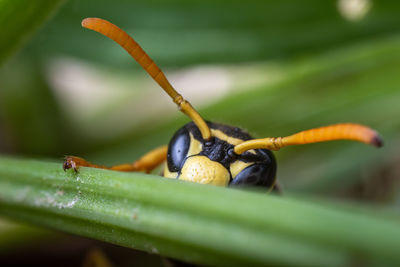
271	67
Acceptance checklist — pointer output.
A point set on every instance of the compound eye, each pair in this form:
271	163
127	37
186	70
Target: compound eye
257	174
177	149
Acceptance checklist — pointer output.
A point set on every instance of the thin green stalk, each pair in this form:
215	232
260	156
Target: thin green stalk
195	223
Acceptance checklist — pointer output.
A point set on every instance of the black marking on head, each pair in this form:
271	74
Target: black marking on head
218	152
232	154
258	174
177	149
217	149
262	155
209	142
231	131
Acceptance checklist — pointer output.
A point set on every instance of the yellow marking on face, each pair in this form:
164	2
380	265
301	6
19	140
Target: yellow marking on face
252	151
200	169
195	146
238	166
168	174
229	139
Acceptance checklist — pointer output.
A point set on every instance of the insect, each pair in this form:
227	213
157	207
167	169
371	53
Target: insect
213	153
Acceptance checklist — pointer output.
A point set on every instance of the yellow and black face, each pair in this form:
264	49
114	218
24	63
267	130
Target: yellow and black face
214	162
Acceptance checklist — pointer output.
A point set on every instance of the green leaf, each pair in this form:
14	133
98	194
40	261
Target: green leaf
176	32
19	18
195	223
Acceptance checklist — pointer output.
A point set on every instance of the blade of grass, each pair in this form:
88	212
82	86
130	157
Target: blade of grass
19	19
196	223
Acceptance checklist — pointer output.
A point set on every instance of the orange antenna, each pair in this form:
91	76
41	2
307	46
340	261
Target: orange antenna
342	131
129	44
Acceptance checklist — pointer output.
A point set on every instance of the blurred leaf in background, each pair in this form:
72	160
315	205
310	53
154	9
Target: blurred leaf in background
271	67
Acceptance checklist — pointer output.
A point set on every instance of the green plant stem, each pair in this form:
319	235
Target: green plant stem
191	222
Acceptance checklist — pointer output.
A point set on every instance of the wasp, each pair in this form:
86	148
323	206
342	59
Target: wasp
213	153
